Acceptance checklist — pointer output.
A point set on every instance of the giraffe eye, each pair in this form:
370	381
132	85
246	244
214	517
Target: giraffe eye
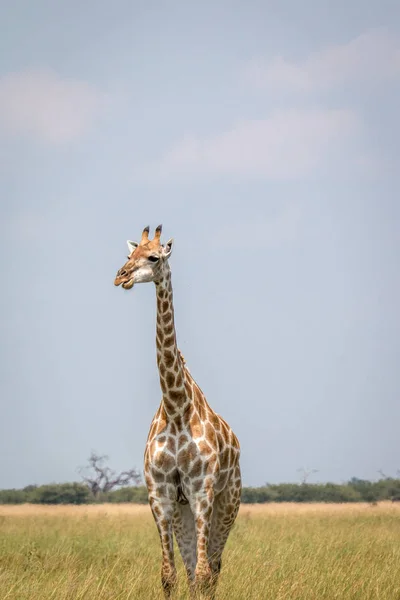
153	259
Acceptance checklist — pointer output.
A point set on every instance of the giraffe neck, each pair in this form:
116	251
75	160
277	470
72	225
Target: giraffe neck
170	365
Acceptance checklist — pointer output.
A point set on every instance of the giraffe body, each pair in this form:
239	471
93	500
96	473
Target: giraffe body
191	461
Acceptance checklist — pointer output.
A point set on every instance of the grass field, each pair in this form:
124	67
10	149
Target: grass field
275	552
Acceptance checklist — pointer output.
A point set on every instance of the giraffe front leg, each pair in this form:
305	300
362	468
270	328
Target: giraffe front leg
163	510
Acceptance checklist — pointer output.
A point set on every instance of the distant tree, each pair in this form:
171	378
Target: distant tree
29	488
306	474
12	496
59	493
367	490
137	495
101	479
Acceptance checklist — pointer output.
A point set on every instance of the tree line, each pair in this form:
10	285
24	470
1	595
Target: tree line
100	484
355	490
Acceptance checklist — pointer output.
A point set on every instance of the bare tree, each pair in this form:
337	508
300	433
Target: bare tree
306	473
101	478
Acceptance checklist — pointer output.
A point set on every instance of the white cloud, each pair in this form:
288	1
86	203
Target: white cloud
46	106
287	144
371	57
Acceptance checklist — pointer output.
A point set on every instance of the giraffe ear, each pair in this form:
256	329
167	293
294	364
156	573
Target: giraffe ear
132	246
168	248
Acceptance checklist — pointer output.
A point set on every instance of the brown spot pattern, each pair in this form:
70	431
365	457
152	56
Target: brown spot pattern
163	461
197	468
205	448
195	425
210	435
169	329
183	439
170	379
170	406
171	445
176	395
169	341
187	455
169	358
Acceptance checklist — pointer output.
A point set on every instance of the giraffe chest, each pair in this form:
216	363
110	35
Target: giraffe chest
180	450
189	457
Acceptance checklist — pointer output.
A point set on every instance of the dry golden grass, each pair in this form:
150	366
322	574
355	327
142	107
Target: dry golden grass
275	552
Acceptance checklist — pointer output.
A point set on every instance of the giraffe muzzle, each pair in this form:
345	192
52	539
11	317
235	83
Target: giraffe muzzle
127	284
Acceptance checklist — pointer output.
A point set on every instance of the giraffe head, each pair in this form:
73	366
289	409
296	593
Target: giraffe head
146	261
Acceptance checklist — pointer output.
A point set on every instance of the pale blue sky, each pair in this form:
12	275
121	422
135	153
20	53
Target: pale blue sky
265	137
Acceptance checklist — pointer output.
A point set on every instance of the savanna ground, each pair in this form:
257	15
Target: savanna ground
275	552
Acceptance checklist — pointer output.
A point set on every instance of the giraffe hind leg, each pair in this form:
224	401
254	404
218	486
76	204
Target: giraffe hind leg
163	516
226	507
185	534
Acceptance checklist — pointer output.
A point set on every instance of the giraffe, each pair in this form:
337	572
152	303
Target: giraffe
191	459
